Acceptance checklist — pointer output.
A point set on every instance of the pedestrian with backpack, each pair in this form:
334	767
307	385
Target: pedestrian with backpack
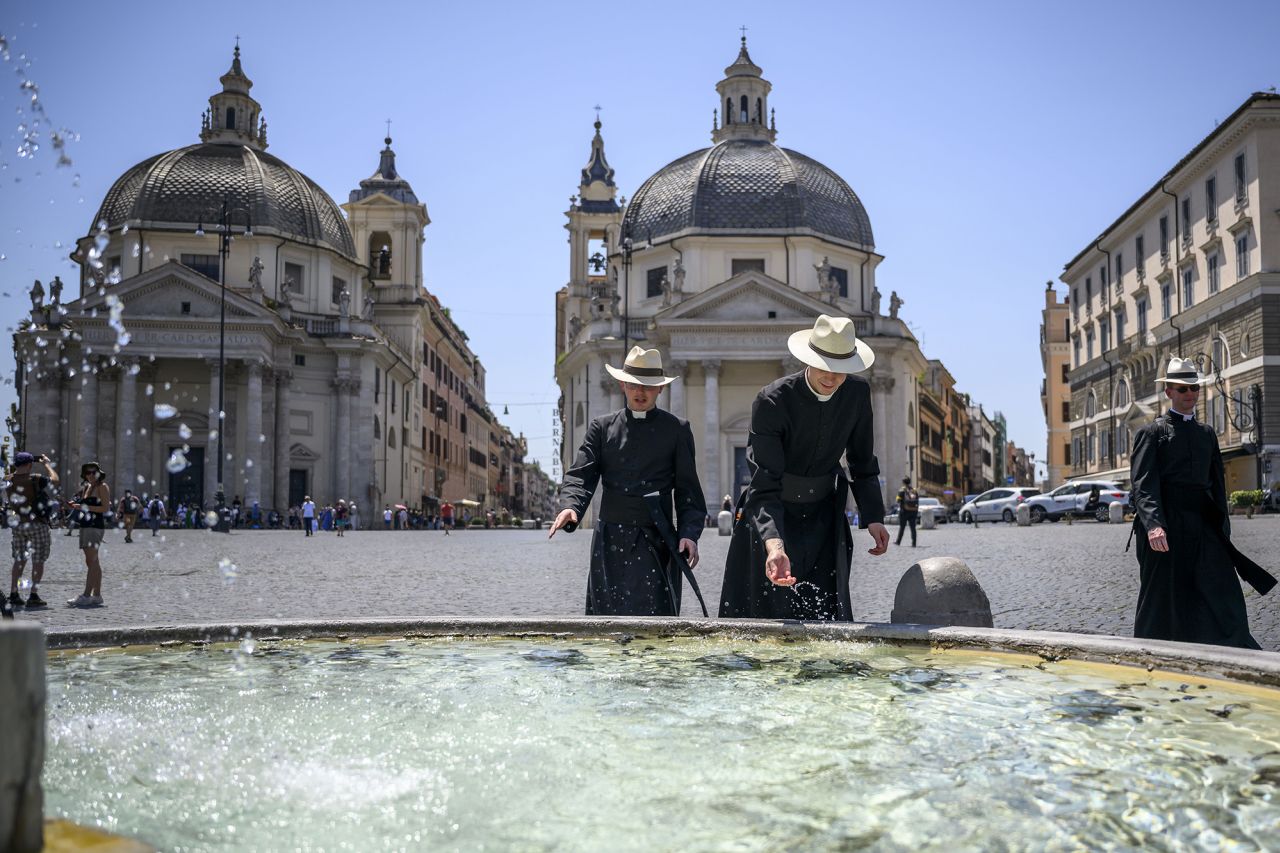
30	498
908	510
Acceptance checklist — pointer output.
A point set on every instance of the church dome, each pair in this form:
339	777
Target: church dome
184	188
744	184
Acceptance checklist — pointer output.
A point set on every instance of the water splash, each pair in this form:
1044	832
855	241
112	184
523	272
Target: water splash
228	569
163	411
177	462
184	432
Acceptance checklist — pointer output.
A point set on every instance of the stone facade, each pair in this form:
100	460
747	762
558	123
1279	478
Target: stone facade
1186	271
1055	389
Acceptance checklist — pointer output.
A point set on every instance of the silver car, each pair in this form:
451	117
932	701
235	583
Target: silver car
996	504
1073	499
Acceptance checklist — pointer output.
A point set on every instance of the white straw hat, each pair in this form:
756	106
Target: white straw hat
831	345
1181	371
643	367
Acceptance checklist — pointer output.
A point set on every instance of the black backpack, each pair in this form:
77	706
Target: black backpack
910	500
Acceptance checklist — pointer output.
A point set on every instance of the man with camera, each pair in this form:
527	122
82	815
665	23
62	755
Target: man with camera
31	499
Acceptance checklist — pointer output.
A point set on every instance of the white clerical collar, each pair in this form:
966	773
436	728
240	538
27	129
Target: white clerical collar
638	415
822	398
1191	417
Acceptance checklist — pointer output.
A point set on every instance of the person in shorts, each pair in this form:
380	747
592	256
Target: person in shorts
340	514
128	509
31	500
92	503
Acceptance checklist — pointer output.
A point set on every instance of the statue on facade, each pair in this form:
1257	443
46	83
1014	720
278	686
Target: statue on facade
55	291
344	303
615	300
37	296
598	306
875	300
678	274
255	273
384	261
286	292
665	284
824	273
369	302
894	304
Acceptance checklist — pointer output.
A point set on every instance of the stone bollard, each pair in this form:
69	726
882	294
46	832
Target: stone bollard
22	700
1115	512
1023	514
927	519
725	522
941	591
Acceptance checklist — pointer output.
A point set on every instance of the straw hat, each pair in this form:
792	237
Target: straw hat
831	345
643	367
1181	371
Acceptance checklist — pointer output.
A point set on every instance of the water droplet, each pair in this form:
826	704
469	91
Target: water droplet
184	432
177	462
210	521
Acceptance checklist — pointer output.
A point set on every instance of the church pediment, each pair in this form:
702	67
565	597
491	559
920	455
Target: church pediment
302	453
165	290
748	297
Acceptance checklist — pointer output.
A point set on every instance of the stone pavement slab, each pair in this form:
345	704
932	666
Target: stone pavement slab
1050	577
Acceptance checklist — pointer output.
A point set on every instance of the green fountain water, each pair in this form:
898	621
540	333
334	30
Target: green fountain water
677	743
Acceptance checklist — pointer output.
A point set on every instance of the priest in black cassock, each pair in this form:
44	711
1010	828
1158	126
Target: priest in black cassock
791	549
1189	591
633	452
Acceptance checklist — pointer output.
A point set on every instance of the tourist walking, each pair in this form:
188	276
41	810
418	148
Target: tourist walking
791	549
633	452
1189	591
308	515
30	500
908	510
340	515
155	514
128	509
92	504
446	517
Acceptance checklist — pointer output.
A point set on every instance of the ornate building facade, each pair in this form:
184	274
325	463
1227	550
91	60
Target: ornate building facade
342	377
1188	270
1055	389
715	261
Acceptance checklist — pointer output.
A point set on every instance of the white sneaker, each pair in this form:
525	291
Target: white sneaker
83	601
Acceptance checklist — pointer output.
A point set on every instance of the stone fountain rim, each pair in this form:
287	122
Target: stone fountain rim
1241	665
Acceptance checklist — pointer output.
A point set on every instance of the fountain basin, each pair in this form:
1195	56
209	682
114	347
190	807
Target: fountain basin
657	734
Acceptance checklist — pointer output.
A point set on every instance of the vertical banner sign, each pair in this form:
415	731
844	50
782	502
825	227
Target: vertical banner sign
555	445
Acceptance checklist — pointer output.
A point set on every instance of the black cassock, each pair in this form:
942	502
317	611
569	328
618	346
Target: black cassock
797	493
1190	592
631	569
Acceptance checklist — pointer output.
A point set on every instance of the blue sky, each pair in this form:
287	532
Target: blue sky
989	142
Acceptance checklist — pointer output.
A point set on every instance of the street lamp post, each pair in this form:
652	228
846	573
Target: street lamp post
626	248
224	250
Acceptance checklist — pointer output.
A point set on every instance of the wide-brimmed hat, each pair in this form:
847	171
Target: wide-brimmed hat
1181	371
831	345
83	465
642	367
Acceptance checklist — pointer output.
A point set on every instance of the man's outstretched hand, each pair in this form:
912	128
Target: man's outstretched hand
777	566
568	516
881	535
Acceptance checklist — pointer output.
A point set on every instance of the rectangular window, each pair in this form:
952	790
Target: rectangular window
1066	412
1076	351
1120	328
338	286
299	361
206	265
1188	284
1066	369
1214	277
1122	440
1166	301
653	282
738	265
1088	345
1242	188
1211	199
1186	219
1066	453
377	383
296	273
1242	256
1105	333
1102	279
841	277
1075	302
1092	442
1141	310
1140	255
1164	236
1119	270
1088	292
1104	444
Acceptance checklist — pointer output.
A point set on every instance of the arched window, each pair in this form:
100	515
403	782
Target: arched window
579	415
745	106
380	254
377	427
231	118
1090	405
728	110
1121	400
391	437
759	111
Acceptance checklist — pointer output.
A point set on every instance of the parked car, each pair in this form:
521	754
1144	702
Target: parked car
996	504
940	514
1073	498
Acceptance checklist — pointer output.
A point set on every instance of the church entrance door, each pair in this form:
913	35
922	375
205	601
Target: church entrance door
297	486
187	486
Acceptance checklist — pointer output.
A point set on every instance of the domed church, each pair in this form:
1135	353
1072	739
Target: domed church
715	260
321	336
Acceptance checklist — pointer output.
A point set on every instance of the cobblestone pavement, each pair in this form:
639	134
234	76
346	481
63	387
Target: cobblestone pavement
1046	577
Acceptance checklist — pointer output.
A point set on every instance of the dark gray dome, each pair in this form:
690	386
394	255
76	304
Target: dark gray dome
185	187
750	185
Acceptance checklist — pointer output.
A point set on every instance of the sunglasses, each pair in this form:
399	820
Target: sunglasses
1185	389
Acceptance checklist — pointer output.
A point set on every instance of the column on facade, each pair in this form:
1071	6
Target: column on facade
126	426
711	436
252	456
211	439
362	445
677	402
280	499
342	438
88	413
880	387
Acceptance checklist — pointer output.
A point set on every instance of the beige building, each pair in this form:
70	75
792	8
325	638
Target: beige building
1188	269
718	257
1055	388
